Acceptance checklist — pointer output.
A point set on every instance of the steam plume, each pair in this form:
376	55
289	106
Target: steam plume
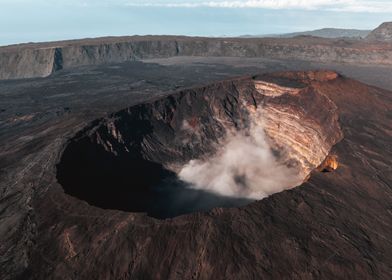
244	167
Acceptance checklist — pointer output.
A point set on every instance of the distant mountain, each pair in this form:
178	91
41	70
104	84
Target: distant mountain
324	33
381	33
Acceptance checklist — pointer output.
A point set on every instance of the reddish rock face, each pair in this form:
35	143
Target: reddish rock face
329	164
335	225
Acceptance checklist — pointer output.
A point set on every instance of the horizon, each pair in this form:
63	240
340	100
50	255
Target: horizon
25	21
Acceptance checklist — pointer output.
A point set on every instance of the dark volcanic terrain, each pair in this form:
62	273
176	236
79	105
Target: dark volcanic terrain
90	160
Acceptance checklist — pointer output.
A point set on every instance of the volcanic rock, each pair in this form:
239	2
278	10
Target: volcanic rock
335	225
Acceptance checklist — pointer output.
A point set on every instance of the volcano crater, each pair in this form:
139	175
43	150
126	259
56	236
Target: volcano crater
221	145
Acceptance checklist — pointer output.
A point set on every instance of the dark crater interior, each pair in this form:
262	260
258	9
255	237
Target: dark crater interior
121	162
131	184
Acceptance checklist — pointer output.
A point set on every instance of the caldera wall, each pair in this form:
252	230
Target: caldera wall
40	60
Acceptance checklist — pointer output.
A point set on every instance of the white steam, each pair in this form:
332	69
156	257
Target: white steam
244	167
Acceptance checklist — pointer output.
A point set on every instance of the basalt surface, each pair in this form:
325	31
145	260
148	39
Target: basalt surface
335	224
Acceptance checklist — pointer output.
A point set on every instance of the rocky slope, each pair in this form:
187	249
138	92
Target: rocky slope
335	225
40	60
383	33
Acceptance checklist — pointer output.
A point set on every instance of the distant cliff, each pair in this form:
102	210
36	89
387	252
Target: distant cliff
40	60
381	33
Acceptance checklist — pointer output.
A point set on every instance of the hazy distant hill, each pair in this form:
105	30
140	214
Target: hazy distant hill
324	33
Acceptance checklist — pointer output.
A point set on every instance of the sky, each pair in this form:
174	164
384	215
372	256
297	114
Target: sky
24	21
